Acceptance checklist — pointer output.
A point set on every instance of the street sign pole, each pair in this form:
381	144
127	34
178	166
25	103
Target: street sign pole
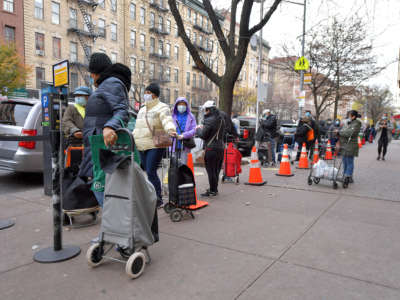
302	54
259	66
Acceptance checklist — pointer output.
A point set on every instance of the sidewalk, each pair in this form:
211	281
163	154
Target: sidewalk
285	240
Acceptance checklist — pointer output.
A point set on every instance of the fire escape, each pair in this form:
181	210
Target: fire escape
84	35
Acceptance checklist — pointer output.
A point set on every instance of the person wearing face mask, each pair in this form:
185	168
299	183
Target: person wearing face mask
333	133
348	137
212	132
185	125
106	109
156	115
384	135
74	114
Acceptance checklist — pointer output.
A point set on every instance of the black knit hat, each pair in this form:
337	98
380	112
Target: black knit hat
99	62
154	88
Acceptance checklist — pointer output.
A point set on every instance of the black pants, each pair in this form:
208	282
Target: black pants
213	160
382	143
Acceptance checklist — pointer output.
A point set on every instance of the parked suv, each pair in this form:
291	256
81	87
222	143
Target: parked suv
247	134
21	117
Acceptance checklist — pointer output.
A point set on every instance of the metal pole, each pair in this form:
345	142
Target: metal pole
302	54
259	66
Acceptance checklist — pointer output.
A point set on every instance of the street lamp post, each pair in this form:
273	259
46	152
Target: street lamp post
259	64
302	54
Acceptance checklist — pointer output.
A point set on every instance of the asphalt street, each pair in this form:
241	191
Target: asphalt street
11	182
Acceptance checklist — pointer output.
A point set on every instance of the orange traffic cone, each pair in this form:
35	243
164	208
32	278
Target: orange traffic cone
255	177
199	203
316	153
303	162
328	153
359	143
284	168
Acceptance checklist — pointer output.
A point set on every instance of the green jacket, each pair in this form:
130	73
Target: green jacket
349	138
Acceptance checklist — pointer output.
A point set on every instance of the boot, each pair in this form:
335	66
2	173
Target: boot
378	158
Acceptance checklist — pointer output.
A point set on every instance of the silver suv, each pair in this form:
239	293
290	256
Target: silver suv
18	118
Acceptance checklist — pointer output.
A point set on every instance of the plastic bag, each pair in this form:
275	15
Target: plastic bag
319	168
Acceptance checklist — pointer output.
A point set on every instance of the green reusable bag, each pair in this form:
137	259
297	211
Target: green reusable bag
97	143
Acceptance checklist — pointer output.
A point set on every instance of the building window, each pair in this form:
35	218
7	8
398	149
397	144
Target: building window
176	30
101	3
133	39
176	75
188	97
142	15
114	32
152	20
39	9
9	34
74	81
113	57
187	78
73	21
188	33
160	47
39	76
161	72
189	13
160	23
176	52
8	5
168	50
55	13
132	11
194	80
168	74
142	42
133	65
102	28
188	56
73	51
200	81
142	67
88	53
176	93
56	47
152	70
113	5
152	45
39	43
167	96
169	26
195	18
194	37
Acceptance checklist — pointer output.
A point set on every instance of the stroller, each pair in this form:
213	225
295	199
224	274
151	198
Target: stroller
78	199
181	188
129	209
265	151
232	163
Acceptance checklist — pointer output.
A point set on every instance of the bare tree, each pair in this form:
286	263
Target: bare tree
374	101
243	98
234	53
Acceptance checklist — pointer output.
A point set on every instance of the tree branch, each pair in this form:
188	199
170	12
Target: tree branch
266	17
232	29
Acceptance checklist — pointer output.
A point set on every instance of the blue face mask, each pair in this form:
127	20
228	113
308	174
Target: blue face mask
308	114
181	108
80	101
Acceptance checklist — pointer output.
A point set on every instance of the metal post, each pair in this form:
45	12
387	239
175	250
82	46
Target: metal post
302	54
259	66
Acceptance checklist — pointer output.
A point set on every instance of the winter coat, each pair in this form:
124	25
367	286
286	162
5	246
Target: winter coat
189	129
213	122
159	117
72	121
388	131
267	128
348	137
107	106
229	126
301	133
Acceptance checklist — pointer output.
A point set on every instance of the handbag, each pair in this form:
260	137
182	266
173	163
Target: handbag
187	143
161	139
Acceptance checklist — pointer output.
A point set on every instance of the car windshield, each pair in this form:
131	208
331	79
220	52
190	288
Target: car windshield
14	113
247	122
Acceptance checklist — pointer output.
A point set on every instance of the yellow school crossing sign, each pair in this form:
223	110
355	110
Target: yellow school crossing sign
302	64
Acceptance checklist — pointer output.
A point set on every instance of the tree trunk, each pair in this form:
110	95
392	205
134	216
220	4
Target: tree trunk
226	94
336	106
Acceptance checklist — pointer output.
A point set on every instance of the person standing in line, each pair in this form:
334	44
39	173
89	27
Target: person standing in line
185	126
154	116
349	144
212	132
384	135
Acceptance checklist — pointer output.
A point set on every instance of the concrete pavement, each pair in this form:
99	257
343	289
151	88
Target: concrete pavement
285	240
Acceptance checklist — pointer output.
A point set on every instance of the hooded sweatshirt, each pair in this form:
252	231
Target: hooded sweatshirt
186	120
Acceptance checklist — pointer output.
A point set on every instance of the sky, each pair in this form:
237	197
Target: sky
382	18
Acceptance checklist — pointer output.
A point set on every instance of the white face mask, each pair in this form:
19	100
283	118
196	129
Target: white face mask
147	97
181	108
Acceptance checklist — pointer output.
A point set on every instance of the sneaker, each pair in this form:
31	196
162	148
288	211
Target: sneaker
160	204
383	158
351	179
208	193
378	158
